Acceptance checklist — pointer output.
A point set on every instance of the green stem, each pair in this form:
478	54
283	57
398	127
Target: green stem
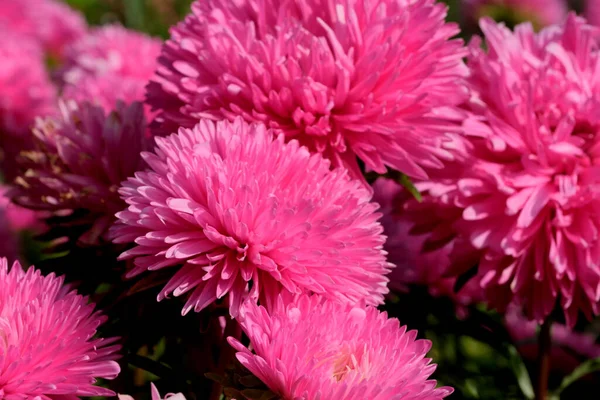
543	361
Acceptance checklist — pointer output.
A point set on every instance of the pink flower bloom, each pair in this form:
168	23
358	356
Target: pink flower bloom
50	23
314	349
530	198
110	63
47	347
239	208
379	80
80	161
540	12
569	348
422	242
156	395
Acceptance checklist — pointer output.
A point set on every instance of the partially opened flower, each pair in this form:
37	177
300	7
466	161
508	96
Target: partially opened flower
540	12
379	80
80	160
108	64
530	196
234	210
50	23
48	347
315	349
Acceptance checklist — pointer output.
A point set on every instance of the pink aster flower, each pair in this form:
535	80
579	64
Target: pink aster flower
315	349
80	161
237	211
530	197
108	64
50	23
539	12
155	395
47	344
378	80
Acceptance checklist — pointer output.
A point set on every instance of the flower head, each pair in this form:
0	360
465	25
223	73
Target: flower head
108	64
80	160
47	345
311	349
50	23
244	211
530	195
540	12
377	79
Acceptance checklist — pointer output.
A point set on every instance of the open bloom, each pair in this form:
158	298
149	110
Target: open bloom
80	160
530	195
47	344
378	79
50	23
540	12
108	64
315	349
238	211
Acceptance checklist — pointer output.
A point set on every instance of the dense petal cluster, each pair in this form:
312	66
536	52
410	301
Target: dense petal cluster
529	197
315	349
50	23
539	12
80	160
108	64
47	345
244	211
376	79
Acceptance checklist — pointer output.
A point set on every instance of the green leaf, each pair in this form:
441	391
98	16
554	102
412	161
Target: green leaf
520	370
582	370
408	185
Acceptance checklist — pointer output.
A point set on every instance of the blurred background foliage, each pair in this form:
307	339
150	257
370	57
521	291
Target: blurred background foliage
472	348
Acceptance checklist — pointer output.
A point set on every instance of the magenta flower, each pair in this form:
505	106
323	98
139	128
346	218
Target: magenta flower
50	23
378	80
530	198
47	344
314	349
108	64
540	12
239	212
80	161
